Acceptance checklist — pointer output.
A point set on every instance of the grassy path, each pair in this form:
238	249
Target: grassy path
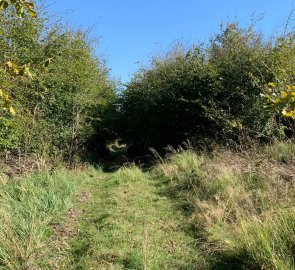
129	224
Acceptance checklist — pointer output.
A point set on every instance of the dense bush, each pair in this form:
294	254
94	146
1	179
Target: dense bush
62	105
280	93
209	93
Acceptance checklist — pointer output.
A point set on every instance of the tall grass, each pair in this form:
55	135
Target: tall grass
27	209
242	204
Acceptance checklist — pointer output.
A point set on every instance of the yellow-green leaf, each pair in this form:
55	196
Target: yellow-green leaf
284	94
272	84
12	110
288	113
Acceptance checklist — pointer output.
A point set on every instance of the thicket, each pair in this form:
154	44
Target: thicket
210	92
238	86
60	104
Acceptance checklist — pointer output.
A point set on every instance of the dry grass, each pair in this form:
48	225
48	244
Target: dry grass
242	203
15	165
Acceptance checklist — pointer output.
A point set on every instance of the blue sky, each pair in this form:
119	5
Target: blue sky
130	31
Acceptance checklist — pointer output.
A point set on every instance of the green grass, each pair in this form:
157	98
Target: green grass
243	210
28	207
190	211
130	224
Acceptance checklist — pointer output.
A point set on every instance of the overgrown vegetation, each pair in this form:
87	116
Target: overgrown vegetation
28	207
208	92
61	105
223	207
241	204
238	86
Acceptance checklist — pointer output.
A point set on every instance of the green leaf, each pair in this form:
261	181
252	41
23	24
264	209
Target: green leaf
32	13
3	5
11	64
47	62
272	84
12	110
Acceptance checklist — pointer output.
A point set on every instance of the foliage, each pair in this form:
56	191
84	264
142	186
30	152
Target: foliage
280	94
206	92
60	105
21	6
281	99
13	68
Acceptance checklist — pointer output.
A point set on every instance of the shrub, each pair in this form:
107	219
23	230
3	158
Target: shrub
206	93
62	106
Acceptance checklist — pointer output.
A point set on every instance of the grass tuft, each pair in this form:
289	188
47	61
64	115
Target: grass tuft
28	207
242	204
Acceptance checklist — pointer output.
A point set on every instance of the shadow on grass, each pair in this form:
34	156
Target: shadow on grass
233	262
182	201
110	163
181	198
